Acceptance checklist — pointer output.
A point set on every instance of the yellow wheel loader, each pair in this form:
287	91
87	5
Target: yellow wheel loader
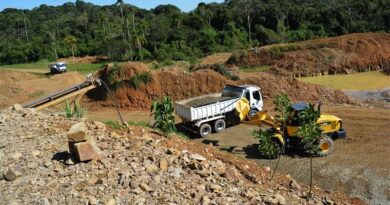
285	135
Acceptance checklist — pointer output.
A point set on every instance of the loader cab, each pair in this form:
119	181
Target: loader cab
329	124
293	121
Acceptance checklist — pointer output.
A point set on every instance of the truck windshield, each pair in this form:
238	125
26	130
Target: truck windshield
231	93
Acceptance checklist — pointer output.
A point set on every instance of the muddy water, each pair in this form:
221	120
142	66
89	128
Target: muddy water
357	81
359	165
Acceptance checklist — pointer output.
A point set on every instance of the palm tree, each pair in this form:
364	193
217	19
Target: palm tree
138	39
71	41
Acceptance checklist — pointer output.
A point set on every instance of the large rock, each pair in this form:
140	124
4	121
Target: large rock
12	174
78	133
86	151
233	174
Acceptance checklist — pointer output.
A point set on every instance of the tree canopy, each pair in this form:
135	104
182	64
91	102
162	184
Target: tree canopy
125	32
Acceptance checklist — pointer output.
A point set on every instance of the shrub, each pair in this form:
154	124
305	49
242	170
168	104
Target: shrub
222	70
309	131
142	78
282	105
163	115
113	124
267	147
237	55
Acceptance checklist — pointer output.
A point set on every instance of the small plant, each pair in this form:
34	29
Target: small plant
142	78
68	110
77	110
113	124
267	147
310	133
163	115
282	105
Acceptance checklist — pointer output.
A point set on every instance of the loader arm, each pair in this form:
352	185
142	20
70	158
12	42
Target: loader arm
263	119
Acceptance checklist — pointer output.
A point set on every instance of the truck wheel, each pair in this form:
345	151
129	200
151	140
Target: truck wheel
325	146
252	113
204	130
219	125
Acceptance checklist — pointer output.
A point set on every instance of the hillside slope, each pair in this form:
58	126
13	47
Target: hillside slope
343	54
179	84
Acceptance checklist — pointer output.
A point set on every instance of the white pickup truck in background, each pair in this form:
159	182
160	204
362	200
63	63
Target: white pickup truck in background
57	67
206	113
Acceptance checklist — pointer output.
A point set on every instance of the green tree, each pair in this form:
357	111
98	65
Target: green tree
310	133
163	115
71	41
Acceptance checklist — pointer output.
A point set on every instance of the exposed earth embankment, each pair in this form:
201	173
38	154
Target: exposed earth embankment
345	54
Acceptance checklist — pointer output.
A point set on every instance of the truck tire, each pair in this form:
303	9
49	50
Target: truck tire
325	146
204	130
251	114
219	125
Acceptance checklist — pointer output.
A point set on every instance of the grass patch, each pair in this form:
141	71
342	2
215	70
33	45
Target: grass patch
256	69
26	66
36	94
84	67
278	51
139	123
356	81
79	67
114	124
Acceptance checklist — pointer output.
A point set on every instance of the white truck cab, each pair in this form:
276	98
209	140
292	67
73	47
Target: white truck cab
250	92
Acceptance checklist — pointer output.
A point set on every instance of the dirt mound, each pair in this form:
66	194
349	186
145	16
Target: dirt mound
272	85
179	84
19	87
344	54
175	83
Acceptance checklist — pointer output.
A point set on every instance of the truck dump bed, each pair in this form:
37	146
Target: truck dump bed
203	107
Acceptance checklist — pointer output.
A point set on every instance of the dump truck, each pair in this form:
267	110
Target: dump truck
213	112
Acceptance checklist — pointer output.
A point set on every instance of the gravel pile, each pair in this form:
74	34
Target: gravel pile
135	168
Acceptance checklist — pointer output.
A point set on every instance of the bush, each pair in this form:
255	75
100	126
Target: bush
267	146
222	70
142	78
310	131
237	55
163	115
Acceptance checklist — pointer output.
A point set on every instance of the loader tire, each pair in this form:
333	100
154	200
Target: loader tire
204	130
219	125
325	146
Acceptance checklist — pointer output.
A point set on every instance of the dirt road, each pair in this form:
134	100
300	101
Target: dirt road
359	166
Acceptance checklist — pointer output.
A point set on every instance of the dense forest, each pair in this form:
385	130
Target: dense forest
125	32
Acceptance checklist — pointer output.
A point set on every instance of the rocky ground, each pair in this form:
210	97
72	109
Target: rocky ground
137	166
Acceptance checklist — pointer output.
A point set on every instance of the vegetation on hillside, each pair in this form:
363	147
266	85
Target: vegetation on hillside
125	32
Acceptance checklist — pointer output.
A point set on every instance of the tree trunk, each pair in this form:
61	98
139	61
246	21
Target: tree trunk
249	29
25	29
73	52
311	177
55	50
129	39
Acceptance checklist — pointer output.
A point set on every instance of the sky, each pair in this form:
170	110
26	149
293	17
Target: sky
184	5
